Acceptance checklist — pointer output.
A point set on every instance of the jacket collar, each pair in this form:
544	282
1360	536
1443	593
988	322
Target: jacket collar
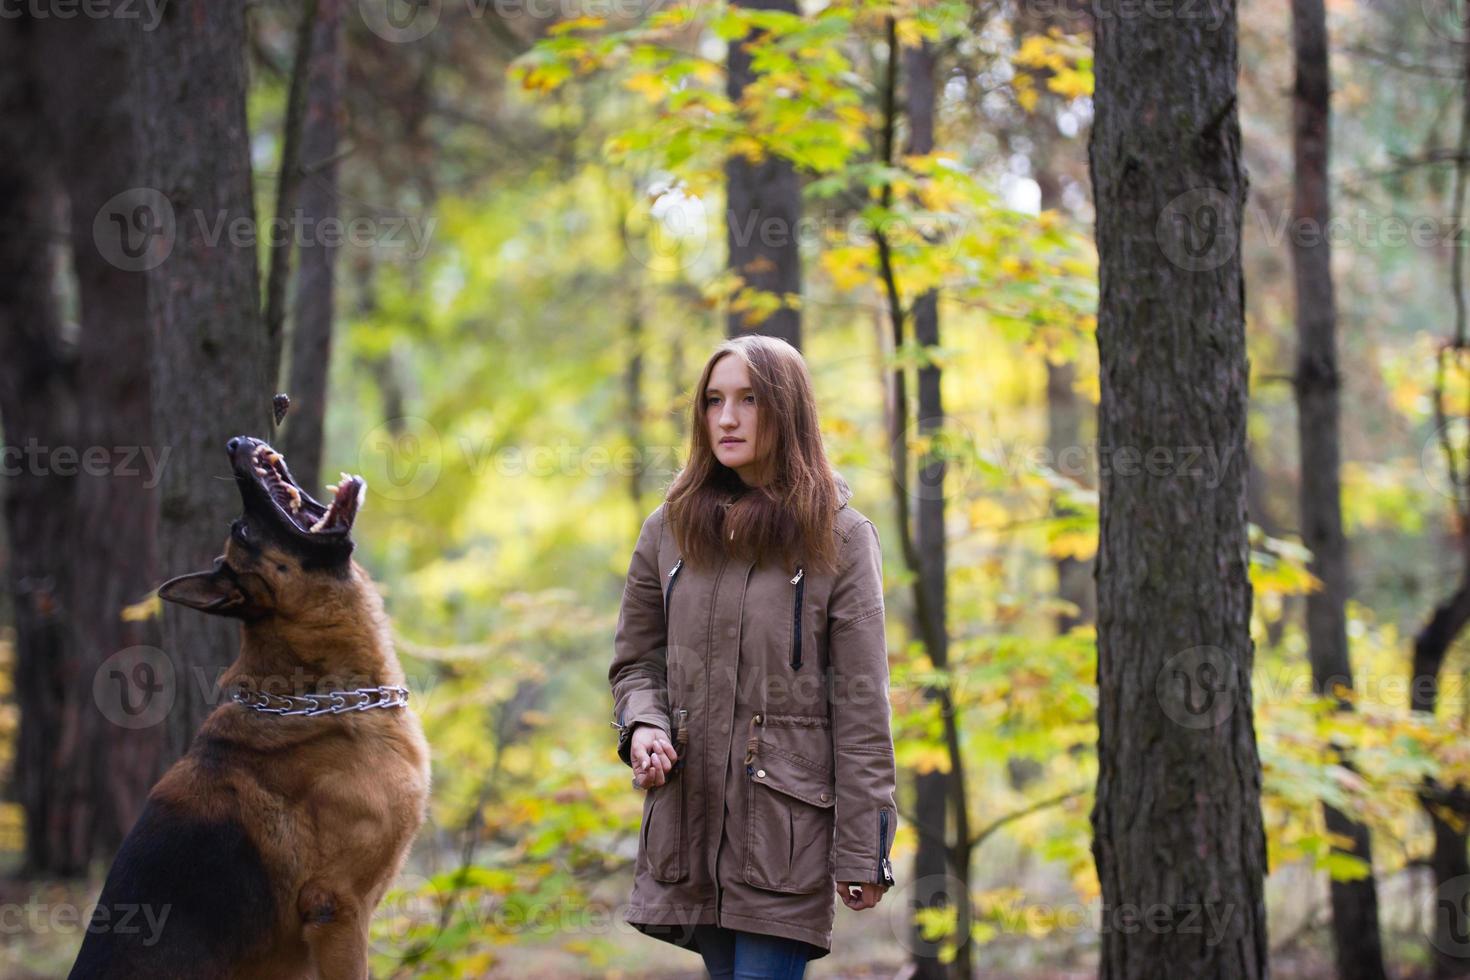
844	492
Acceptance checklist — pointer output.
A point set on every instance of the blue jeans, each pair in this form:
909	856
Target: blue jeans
731	954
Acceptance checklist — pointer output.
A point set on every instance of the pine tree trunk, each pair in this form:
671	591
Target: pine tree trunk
315	300
1447	806
931	871
1179	842
762	213
107	767
209	356
37	412
1354	903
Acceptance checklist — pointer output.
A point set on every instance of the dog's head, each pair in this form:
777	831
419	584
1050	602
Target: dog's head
286	554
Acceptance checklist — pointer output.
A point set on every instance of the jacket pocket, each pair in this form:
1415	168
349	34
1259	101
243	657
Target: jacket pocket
789	822
664	840
798	586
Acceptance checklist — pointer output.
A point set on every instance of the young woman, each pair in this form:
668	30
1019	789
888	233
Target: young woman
750	682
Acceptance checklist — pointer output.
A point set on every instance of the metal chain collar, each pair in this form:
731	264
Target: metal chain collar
329	703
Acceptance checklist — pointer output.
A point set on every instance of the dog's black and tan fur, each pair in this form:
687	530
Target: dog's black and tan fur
270	843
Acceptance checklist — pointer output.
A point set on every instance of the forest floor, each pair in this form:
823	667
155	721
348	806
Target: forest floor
40	931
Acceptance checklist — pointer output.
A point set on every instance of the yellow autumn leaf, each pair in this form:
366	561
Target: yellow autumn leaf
1038	51
1407	395
847	267
1071	83
909	33
927	758
576	24
939	196
1026	93
646	83
748	147
138	612
1072	544
987	513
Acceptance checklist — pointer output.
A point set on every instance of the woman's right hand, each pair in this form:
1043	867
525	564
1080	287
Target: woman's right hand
653	756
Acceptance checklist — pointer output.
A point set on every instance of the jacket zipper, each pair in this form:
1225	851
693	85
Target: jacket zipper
681	736
796	618
885	868
669	591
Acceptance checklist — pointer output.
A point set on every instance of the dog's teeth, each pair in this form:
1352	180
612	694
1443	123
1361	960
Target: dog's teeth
332	488
259	472
321	523
274	457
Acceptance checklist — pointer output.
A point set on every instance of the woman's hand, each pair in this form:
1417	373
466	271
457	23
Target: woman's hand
871	895
652	754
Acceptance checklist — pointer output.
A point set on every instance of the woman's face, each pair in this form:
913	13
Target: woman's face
730	414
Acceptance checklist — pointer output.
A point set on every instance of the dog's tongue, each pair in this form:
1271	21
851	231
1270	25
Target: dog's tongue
347	498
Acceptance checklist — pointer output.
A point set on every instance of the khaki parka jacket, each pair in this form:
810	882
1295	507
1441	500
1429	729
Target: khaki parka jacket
773	687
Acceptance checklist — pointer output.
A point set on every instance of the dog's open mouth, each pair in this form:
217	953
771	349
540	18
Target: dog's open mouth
302	512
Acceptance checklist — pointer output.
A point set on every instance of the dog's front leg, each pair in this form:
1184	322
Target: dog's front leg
335	930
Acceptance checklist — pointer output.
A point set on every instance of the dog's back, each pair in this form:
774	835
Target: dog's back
186	897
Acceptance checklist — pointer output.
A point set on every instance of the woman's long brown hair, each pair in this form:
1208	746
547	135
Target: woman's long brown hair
789	516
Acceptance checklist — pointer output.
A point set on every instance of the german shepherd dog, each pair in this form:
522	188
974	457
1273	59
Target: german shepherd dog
270	843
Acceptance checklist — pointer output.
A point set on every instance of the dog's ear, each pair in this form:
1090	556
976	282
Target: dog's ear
219	592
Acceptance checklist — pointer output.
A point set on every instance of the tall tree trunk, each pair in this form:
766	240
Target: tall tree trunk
315	300
1354	903
37	416
762	212
633	387
1064	439
209	352
931	789
1177	819
107	762
1448	807
288	183
1258	505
